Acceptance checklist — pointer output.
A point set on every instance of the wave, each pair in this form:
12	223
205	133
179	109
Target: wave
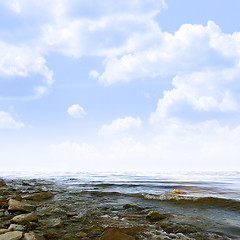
191	200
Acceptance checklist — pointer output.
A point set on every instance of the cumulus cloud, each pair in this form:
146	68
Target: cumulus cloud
76	111
7	121
23	62
120	125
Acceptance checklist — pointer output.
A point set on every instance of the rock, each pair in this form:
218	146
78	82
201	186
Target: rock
17	227
15	205
114	234
32	236
3	231
71	214
81	234
56	222
38	196
24	218
50	235
132	206
32	225
15	235
175	191
155	216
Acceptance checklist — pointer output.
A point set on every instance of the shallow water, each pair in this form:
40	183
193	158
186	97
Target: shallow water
208	202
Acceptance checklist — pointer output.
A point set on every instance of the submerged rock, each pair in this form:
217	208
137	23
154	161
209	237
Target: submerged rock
38	196
155	216
15	205
15	235
113	233
132	206
32	236
50	235
24	218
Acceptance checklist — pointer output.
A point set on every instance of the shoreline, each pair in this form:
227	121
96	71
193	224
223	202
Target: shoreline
68	215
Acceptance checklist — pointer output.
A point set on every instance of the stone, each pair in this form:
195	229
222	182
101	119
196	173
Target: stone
81	234
17	227
3	231
123	215
15	235
71	214
175	191
24	218
38	196
56	222
155	216
15	205
32	236
50	235
114	234
132	206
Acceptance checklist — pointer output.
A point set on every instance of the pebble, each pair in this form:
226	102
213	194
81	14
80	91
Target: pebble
50	235
32	236
17	227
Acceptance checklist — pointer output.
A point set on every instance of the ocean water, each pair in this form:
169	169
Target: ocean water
208	205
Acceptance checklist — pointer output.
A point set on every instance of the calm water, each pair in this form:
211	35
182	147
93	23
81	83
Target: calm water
210	201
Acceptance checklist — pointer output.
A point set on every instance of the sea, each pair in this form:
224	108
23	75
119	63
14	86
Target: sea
207	207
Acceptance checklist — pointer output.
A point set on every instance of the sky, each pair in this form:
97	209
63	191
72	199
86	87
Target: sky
140	85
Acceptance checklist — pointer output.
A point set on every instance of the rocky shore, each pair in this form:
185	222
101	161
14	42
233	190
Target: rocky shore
37	210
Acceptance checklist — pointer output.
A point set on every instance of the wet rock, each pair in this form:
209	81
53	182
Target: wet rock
132	206
15	235
38	196
71	214
56	222
81	234
175	191
32	236
155	216
15	205
113	233
32	225
17	227
24	218
50	235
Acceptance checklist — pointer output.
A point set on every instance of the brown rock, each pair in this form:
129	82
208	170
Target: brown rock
24	218
38	196
81	234
50	235
114	234
15	205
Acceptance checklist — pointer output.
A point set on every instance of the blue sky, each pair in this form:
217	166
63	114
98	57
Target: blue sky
138	85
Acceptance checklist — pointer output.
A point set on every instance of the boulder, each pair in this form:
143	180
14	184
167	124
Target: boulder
25	218
15	235
114	234
155	216
15	205
38	196
32	236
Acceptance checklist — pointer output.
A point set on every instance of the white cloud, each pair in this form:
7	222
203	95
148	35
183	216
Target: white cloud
22	61
7	121
120	125
76	111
